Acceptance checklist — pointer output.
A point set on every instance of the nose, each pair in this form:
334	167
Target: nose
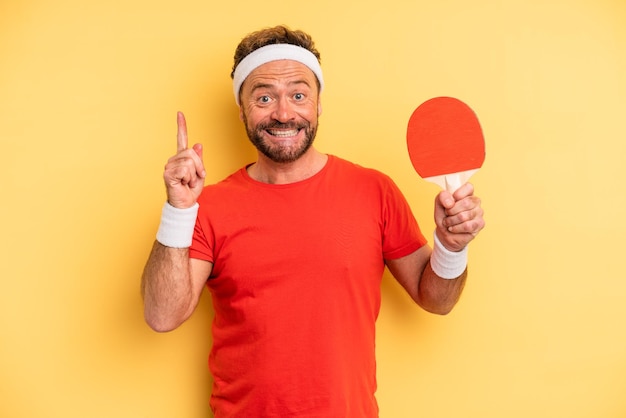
283	110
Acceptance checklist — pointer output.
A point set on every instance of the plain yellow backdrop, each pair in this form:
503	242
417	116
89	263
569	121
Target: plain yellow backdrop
88	96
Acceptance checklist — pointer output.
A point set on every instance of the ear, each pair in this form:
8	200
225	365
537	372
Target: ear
319	106
241	113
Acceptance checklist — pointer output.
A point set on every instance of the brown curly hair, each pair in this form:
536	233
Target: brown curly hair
277	35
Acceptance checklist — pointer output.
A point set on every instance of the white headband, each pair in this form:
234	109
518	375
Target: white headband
274	52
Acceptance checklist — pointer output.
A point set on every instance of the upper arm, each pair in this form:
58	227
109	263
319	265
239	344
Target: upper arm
199	272
408	270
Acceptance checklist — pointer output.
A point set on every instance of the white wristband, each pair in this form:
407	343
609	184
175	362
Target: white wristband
445	263
177	225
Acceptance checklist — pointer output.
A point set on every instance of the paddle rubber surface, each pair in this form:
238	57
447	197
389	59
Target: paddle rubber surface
444	137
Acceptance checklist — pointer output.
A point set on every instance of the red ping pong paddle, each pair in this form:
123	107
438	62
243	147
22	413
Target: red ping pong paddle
445	141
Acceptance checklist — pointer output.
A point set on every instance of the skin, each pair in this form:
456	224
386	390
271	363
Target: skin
280	107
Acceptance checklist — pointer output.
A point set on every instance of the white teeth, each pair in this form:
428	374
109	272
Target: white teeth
283	134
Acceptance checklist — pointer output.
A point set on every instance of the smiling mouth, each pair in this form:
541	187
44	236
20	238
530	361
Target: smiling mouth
282	133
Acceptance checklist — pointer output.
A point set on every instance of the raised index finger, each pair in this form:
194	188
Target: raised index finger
181	136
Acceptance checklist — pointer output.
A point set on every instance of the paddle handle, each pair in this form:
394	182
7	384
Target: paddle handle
452	181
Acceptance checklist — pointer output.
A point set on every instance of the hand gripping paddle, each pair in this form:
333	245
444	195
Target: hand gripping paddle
445	141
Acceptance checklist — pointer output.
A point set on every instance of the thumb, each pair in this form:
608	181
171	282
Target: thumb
446	199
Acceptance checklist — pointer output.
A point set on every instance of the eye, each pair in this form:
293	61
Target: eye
264	99
298	96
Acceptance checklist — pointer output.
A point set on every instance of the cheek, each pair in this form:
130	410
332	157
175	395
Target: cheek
254	122
250	117
310	112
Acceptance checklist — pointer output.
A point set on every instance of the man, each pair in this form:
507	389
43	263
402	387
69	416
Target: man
293	249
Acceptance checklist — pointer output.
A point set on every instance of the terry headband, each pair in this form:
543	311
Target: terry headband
274	52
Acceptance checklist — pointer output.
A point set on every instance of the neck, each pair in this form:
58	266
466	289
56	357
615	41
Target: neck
268	171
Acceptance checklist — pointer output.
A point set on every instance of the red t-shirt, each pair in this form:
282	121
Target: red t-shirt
295	283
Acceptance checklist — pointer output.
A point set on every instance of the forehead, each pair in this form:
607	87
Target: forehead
281	71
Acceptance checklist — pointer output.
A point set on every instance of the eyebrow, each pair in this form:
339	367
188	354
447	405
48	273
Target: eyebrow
270	86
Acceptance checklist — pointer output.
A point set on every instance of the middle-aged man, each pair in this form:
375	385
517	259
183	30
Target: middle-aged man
293	247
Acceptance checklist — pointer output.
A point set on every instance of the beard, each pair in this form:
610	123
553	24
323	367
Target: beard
281	153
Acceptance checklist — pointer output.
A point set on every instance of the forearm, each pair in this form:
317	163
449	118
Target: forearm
166	287
438	295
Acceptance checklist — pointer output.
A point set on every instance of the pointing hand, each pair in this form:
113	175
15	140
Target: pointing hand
184	172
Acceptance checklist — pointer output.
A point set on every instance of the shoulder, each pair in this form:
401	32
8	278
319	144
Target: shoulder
351	168
357	174
233	184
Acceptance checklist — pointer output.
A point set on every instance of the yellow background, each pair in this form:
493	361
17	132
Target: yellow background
88	95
